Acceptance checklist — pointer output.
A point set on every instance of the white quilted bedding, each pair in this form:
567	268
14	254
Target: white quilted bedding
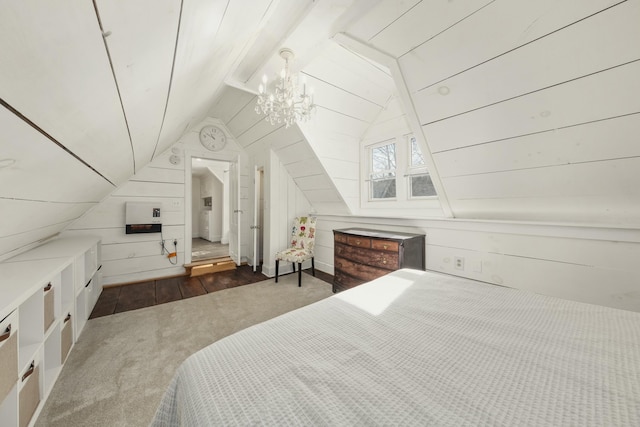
419	348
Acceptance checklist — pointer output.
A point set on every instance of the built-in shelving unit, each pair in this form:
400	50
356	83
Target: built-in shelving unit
46	297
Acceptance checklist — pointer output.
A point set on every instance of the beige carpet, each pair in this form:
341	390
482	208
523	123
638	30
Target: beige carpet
119	368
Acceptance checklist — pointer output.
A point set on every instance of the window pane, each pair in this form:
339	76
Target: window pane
421	186
383	188
383	158
417	159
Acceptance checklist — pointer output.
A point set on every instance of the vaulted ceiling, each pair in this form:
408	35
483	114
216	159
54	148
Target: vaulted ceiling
526	110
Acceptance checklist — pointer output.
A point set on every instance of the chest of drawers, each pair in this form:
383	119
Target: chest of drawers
361	255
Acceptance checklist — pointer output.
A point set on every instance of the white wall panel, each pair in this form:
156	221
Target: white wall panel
42	170
55	71
14	244
593	179
579	50
492	31
141	47
379	17
603	95
329	96
21	216
426	20
212	36
604	210
230	102
342	68
587	269
601	140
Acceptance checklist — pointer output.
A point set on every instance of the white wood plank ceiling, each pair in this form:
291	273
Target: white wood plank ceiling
530	110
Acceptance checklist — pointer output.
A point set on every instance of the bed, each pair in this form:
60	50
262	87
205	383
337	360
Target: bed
419	348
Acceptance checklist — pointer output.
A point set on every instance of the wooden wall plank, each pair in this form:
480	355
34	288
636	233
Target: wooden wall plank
421	23
586	252
342	68
494	30
599	96
340	99
64	83
603	210
212	36
141	47
21	216
579	50
379	17
150	189
245	119
157	174
305	167
593	179
314	182
16	243
64	178
230	102
601	140
296	153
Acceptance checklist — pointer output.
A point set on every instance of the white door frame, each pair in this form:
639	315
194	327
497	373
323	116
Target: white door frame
188	227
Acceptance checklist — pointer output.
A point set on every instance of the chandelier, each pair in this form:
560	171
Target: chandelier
286	103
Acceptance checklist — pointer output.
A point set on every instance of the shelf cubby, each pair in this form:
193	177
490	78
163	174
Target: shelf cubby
52	358
31	332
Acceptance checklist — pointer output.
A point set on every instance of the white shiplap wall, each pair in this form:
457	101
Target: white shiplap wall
528	108
593	265
135	257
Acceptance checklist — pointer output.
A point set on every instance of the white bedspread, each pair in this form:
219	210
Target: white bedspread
419	348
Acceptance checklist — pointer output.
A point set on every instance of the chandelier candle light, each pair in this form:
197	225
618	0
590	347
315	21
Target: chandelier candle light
286	104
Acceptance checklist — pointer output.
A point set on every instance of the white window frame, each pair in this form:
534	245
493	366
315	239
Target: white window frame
370	172
402	204
414	170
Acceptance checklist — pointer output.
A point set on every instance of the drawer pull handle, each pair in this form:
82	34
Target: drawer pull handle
358	242
48	287
384	261
384	246
6	334
32	367
66	319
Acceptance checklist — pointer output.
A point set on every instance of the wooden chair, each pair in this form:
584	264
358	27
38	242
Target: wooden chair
303	238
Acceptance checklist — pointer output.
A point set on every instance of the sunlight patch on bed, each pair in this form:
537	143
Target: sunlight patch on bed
374	298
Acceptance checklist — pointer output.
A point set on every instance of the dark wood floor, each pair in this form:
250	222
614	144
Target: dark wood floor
139	295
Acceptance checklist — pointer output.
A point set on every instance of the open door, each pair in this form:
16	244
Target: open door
258	208
235	213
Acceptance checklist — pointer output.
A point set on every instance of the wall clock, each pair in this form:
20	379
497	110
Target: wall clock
213	138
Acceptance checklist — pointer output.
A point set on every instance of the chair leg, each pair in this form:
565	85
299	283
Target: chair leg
299	274
277	263
294	266
313	268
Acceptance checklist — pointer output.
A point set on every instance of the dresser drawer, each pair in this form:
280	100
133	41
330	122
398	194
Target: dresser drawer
385	245
358	270
340	238
359	242
386	260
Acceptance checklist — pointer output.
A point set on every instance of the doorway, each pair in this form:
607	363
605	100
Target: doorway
209	209
258	218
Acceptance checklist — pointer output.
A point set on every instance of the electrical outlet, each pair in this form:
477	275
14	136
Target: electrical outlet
458	263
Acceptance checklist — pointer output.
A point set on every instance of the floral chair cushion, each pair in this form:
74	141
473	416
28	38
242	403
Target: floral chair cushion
303	237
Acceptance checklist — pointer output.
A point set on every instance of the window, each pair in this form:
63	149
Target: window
383	171
396	172
420	184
